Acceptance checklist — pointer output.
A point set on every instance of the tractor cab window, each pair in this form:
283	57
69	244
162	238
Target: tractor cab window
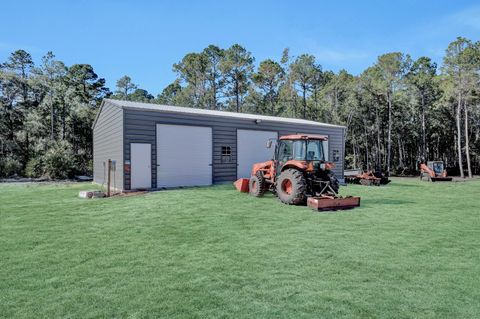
314	151
299	150
438	167
285	151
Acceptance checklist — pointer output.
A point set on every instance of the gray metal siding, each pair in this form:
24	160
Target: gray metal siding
108	144
140	127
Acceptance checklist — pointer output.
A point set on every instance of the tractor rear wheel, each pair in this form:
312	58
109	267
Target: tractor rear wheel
256	185
291	187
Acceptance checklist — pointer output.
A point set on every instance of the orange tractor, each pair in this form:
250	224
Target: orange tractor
434	171
298	174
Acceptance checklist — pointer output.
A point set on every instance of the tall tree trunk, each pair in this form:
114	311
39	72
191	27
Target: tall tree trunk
237	96
335	104
401	164
367	160
354	146
424	137
295	110
64	121
27	147
214	87
272	104
379	151
389	137
24	85
304	103
292	99
459	135
52	118
467	147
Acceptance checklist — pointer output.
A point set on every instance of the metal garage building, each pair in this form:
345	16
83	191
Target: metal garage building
154	146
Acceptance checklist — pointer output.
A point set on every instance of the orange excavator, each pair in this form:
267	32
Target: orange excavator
298	174
434	171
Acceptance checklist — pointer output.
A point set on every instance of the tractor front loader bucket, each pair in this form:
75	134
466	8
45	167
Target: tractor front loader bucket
241	185
327	203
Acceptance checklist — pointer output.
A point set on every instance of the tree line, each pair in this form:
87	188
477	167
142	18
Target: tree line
398	112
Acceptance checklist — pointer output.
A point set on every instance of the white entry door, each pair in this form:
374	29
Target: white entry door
251	149
184	155
140	165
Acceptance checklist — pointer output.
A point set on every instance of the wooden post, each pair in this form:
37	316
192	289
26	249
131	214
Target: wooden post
109	167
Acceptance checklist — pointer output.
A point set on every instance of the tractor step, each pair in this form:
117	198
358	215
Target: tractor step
326	203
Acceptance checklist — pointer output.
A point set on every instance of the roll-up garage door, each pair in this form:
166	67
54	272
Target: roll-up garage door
184	155
251	149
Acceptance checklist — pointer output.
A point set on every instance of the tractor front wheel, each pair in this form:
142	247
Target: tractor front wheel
291	187
257	185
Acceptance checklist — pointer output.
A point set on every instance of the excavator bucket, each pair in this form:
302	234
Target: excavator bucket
328	203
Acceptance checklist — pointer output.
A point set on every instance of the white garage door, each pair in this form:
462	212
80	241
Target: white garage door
251	149
184	155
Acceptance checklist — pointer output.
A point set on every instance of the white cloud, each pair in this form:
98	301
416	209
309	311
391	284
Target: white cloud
469	17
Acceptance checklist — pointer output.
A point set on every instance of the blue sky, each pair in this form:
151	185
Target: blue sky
144	38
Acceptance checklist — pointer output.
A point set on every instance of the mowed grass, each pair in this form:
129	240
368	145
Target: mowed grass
411	250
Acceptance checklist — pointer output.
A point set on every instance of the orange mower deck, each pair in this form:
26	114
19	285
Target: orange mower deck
328	203
318	203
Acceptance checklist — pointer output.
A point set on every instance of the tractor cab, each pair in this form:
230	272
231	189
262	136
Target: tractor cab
436	166
434	171
300	150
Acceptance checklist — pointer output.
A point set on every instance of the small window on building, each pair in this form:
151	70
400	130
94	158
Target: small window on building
226	154
336	155
226	150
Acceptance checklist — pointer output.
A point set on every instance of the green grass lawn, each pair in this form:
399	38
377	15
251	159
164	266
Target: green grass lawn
411	250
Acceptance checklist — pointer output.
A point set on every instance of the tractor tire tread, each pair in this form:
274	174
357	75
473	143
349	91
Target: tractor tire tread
299	188
260	190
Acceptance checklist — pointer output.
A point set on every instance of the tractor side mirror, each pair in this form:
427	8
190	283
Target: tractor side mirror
269	144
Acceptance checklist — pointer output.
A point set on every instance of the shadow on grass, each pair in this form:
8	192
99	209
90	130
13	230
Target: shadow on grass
384	201
406	185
